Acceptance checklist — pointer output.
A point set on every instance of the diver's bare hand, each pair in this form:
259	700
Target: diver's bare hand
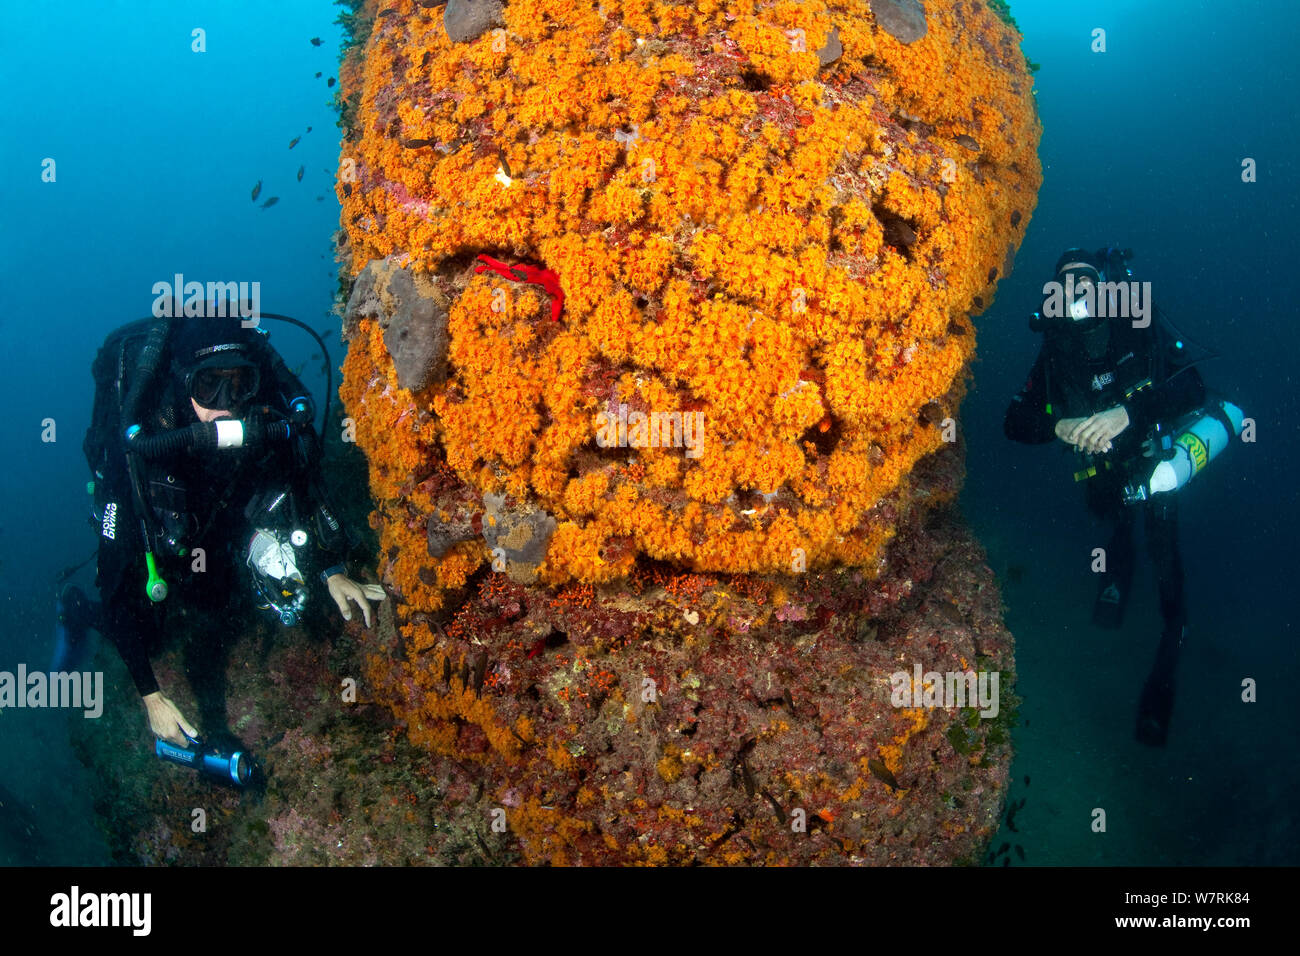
1066	427
1096	432
165	720
343	589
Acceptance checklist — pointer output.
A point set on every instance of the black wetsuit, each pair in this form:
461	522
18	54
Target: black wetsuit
198	501
1080	374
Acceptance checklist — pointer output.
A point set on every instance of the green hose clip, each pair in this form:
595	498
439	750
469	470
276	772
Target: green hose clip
155	587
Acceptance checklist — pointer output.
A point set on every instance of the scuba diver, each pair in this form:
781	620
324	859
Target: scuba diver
1125	395
206	476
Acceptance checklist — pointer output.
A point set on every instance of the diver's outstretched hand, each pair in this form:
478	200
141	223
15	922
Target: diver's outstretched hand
343	589
166	721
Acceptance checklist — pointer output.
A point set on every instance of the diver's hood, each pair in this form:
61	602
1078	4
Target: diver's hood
199	341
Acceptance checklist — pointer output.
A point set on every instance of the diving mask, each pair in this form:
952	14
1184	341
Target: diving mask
223	383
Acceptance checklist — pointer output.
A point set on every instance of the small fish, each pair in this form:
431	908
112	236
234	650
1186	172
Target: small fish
327	331
881	772
318	74
257	190
949	612
505	166
331	81
417	143
384	13
747	778
1026	780
294	142
776	807
270	202
931	413
315	41
300	170
315	355
479	672
320	198
309	129
1020	852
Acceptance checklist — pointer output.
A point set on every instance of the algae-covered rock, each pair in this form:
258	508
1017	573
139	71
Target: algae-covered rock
904	20
412	313
465	20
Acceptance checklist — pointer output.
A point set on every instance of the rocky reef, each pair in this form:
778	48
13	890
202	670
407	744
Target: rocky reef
659	316
708	272
559	732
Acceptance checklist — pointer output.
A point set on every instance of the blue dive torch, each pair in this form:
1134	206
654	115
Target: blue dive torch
235	767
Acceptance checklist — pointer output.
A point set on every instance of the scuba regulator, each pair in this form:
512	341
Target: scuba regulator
1073	302
1184	451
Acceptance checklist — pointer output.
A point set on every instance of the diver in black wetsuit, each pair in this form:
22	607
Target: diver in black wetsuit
1104	384
224	448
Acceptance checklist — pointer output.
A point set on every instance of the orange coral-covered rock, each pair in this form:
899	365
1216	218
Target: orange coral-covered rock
779	253
663	516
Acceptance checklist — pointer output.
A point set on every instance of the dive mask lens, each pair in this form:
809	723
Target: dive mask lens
224	387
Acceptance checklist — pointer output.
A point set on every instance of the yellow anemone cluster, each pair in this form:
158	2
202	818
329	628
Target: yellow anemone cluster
786	251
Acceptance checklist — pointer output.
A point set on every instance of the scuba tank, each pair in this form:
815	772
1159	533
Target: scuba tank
1187	451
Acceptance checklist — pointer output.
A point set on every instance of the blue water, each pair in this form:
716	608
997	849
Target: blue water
157	148
1142	147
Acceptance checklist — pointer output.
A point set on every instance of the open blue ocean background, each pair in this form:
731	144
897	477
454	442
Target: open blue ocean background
158	147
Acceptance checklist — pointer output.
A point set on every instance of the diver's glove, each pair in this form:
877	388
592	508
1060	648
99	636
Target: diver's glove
342	589
165	720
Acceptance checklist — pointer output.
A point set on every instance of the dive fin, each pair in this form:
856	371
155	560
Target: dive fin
75	616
